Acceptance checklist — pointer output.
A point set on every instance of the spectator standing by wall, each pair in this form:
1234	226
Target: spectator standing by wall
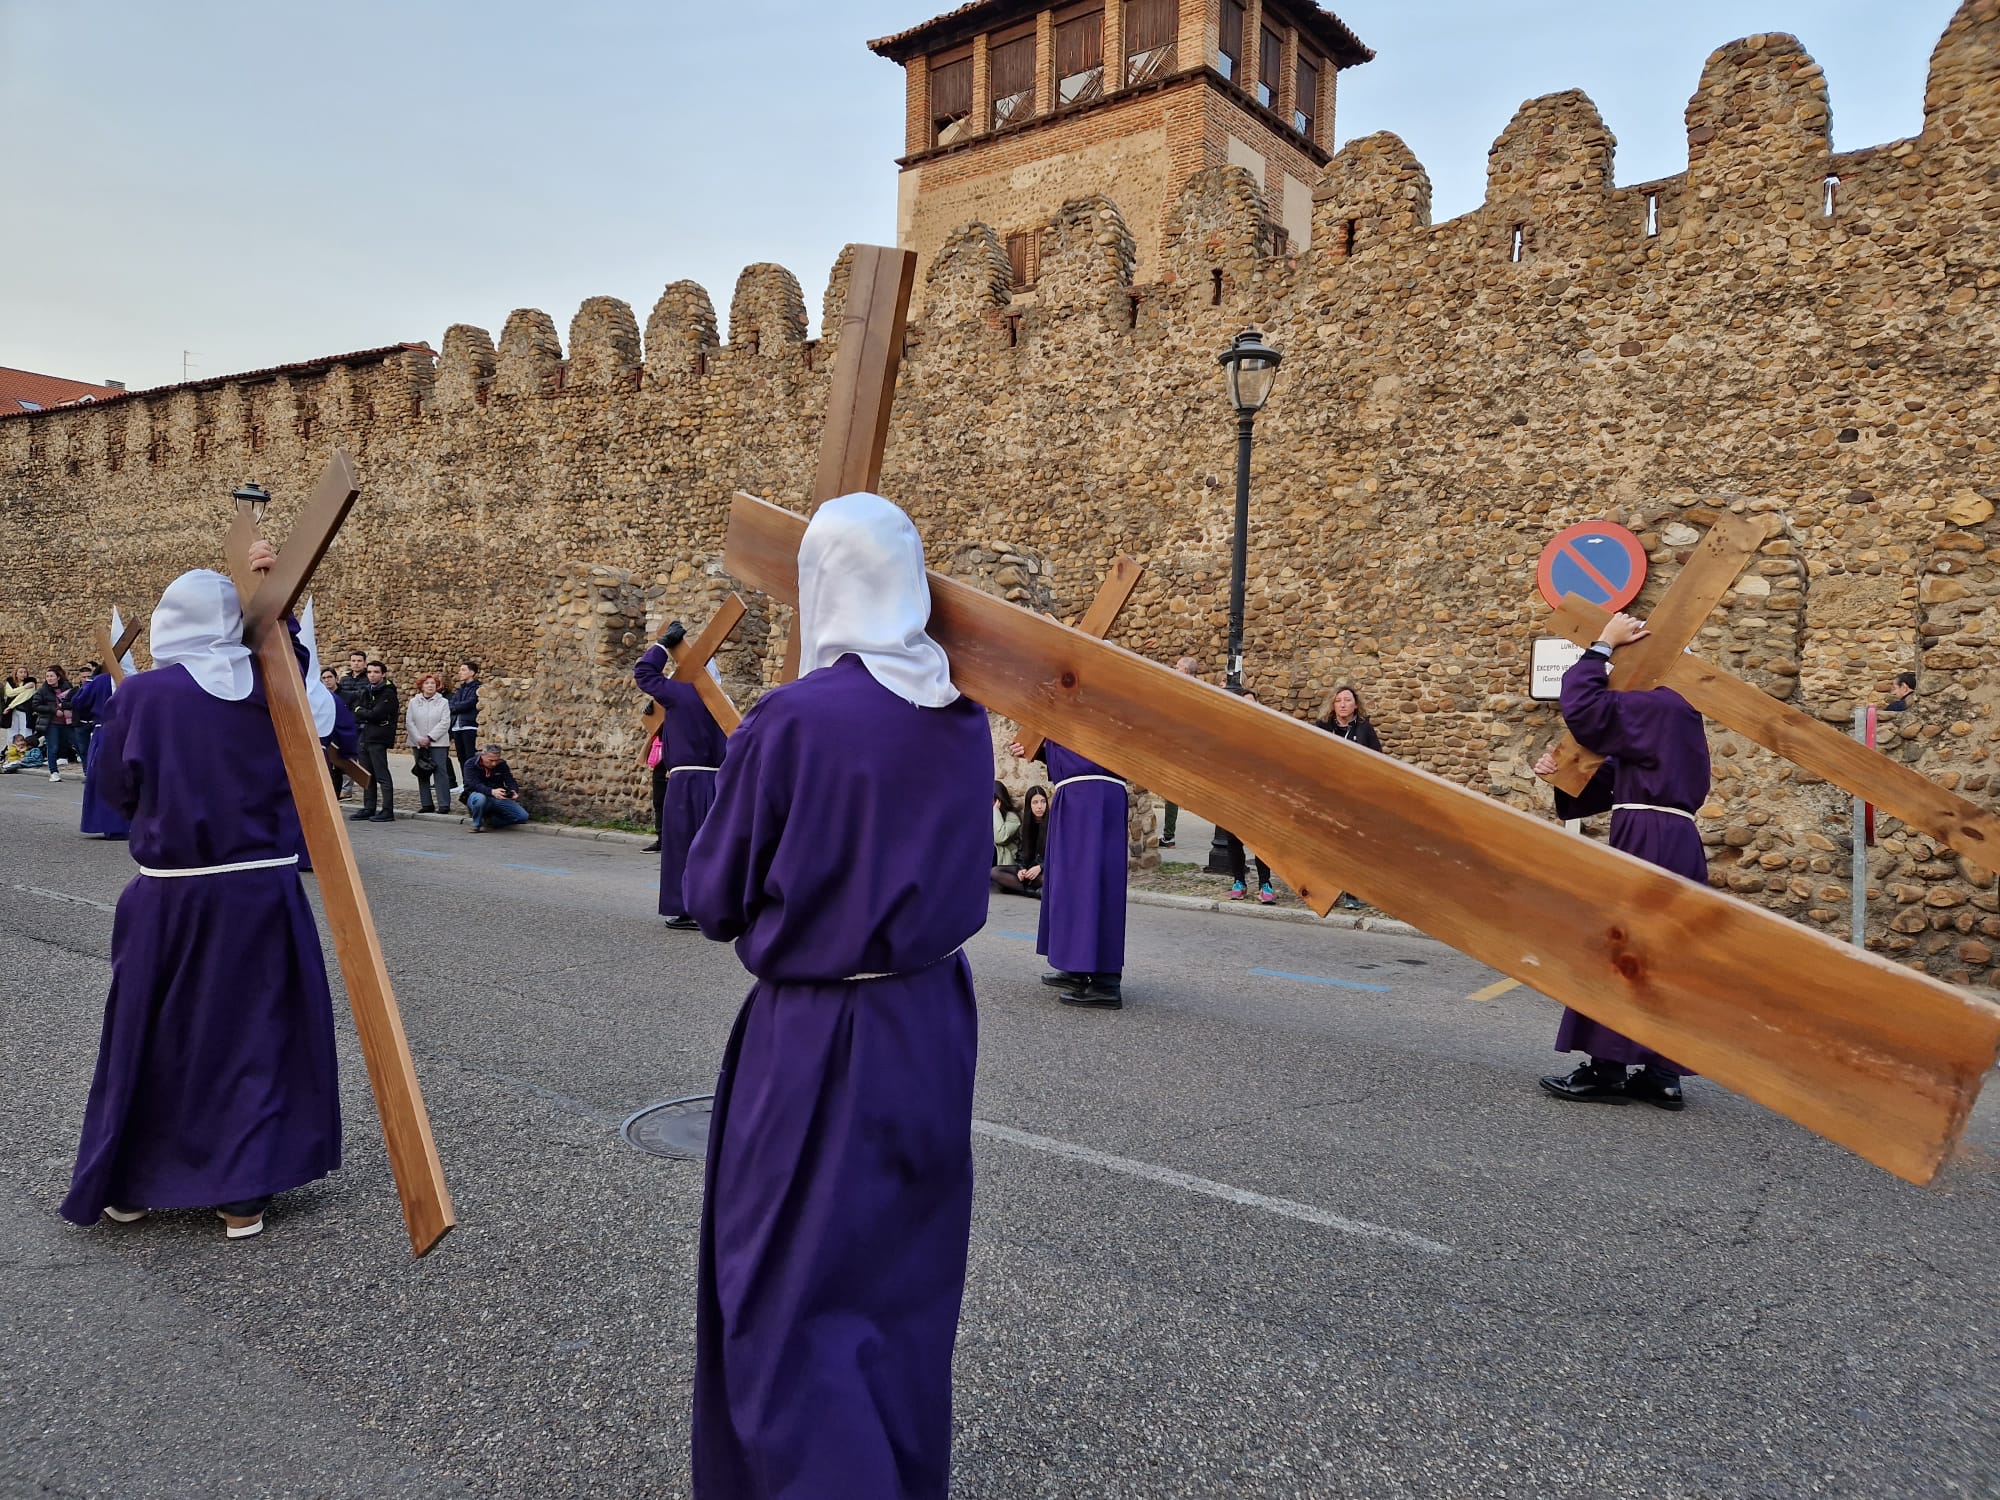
52	715
1346	721
429	721
465	714
1899	698
356	678
20	692
375	711
491	791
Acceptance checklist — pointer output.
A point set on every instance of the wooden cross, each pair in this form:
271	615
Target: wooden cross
1096	622
1954	821
1880	1058
267	598
113	651
866	358
691	659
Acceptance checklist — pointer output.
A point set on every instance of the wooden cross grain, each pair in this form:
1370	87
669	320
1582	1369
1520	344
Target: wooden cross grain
114	650
1096	622
691	659
1704	580
1880	1058
267	598
1954	821
866	359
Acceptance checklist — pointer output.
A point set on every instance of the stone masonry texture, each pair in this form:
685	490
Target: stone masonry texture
1779	330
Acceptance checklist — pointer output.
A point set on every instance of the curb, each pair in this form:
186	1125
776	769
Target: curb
546	830
1275	914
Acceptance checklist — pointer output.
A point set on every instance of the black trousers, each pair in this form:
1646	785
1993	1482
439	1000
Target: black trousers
465	744
659	793
1239	865
375	761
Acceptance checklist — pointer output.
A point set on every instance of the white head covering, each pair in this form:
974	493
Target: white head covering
316	693
125	662
199	625
862	589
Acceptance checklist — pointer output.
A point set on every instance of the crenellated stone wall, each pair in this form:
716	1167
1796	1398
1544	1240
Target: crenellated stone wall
1780	330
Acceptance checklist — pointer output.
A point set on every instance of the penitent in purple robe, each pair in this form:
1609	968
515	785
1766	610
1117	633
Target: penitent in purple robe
215	1075
847	854
95	698
1082	929
691	746
1656	757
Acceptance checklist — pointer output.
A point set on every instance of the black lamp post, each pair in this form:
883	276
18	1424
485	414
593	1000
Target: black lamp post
1250	368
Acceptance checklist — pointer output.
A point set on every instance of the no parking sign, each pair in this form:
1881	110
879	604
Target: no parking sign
1600	561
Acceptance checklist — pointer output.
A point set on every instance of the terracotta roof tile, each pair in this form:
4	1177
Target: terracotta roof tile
105	394
23	390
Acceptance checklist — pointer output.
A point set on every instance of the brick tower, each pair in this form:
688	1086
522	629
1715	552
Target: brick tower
1016	107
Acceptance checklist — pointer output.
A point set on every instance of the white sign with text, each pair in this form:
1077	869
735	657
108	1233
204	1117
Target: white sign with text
1552	657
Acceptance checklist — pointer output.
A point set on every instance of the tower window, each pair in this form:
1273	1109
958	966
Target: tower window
1021	260
1011	70
1229	52
1270	66
1652	215
1830	196
1305	112
1152	28
1080	59
951	100
1519	251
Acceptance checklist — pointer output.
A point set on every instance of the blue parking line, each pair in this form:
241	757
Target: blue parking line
538	869
31	796
1026	937
1339	984
426	853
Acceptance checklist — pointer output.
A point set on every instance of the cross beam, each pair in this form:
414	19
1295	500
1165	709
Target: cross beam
1798	737
866	360
1097	622
691	659
1673	623
1882	1059
406	1127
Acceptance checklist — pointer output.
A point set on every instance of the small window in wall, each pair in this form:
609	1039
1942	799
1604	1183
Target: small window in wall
1305	111
1229	53
1152	28
1010	70
1021	258
1281	240
1652	215
1270	64
1080	59
951	101
1830	196
1519	251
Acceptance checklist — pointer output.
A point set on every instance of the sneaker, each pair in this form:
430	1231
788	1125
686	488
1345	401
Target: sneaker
1166	843
241	1226
1266	895
652	847
1591	1084
479	828
1650	1087
124	1215
55	776
1236	891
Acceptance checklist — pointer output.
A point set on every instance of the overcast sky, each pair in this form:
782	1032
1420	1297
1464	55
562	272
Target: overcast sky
264	181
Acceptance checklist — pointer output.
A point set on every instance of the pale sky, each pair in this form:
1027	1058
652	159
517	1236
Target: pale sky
265	181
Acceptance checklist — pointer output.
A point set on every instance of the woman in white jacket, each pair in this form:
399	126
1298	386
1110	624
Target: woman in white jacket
429	720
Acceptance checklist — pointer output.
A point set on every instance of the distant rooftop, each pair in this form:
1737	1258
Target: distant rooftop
969	20
23	390
100	394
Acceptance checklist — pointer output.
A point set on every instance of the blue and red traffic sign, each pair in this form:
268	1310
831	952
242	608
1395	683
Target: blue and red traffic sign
1599	560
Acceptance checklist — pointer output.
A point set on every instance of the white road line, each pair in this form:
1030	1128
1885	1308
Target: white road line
1241	1196
35	890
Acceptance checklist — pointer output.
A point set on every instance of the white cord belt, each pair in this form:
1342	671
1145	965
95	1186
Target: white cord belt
1679	812
854	978
247	864
676	770
1117	781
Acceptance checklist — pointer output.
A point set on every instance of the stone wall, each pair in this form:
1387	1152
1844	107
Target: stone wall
1653	353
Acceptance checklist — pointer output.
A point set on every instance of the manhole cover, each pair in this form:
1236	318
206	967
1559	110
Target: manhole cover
677	1129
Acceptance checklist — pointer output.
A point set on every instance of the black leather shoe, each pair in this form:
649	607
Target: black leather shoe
652	847
683	923
1062	979
1101	993
1649	1087
360	815
383	817
1591	1085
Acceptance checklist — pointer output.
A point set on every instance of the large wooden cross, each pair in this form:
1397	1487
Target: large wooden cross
267	599
114	650
1096	622
691	659
1662	660
1882	1059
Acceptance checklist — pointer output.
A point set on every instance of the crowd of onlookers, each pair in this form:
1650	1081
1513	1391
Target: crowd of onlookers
436	727
50	717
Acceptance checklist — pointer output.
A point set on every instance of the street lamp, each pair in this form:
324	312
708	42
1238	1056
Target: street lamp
1250	368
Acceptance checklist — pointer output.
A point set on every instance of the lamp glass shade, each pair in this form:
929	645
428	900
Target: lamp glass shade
1251	370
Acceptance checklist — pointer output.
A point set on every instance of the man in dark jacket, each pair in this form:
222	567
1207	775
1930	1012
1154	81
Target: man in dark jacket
490	791
465	715
356	678
375	710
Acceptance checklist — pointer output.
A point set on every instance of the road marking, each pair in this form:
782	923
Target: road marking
1339	984
426	853
538	869
1026	937
1494	991
1243	1197
31	796
35	890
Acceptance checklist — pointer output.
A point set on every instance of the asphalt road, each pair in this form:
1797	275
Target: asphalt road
1297	1222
